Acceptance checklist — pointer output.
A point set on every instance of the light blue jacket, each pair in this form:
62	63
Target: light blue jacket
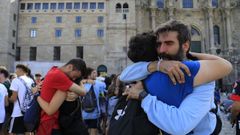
99	87
192	115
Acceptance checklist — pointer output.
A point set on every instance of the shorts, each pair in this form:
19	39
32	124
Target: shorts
91	123
17	125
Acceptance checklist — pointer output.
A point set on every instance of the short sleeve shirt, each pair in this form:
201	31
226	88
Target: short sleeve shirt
159	84
3	94
54	80
18	86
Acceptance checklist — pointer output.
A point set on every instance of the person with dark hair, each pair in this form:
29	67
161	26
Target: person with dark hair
38	78
19	97
142	47
235	109
12	76
173	43
56	84
92	118
115	91
4	80
5	74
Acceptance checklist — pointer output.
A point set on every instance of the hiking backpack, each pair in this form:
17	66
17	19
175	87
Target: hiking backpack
89	101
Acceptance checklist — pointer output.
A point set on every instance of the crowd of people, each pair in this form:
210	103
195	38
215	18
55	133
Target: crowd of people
168	88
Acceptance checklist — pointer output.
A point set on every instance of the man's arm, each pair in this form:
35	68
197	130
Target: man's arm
13	97
140	70
235	111
78	89
55	103
211	68
135	72
14	89
180	120
6	103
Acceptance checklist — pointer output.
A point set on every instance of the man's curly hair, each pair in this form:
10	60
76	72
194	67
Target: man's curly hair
142	47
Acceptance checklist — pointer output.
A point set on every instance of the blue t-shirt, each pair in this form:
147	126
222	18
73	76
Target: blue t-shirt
159	84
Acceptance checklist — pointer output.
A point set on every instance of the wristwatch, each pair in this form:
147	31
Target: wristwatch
142	95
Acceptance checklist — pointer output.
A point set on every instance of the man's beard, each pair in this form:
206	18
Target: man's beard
179	56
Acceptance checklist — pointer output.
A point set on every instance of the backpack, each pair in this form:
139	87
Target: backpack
89	101
30	109
32	115
129	118
27	99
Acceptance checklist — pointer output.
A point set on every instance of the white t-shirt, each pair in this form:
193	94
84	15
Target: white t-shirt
3	94
20	88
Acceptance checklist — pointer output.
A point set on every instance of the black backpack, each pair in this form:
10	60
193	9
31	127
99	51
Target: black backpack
129	118
89	101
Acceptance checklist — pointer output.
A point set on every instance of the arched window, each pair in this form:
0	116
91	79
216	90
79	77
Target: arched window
118	8
160	3
215	3
187	3
216	32
196	40
125	8
194	32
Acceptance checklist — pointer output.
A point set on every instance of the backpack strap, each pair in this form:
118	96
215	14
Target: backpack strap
17	96
25	84
91	89
28	91
76	109
20	106
218	126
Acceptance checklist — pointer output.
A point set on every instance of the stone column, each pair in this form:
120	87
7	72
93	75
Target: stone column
153	18
209	3
170	13
224	35
211	33
228	30
153	8
206	31
235	65
170	9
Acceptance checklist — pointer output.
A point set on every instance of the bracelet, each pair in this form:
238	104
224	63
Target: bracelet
158	64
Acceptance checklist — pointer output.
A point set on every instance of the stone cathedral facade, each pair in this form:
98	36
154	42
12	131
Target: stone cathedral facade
50	32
